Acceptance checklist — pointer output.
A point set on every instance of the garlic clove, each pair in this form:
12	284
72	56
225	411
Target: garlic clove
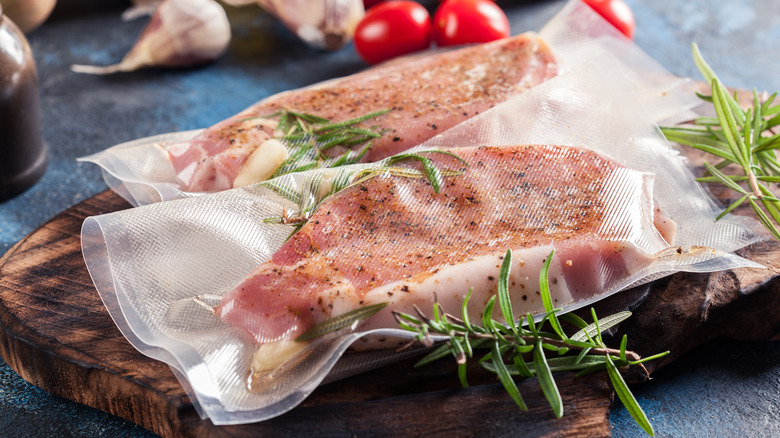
270	356
28	14
262	163
181	33
326	182
324	24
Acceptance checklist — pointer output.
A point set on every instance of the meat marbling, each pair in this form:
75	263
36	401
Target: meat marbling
393	239
425	95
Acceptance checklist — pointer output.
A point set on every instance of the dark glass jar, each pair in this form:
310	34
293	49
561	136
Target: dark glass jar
22	151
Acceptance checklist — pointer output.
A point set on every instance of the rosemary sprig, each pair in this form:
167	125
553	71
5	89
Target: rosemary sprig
738	137
339	322
510	344
319	188
308	136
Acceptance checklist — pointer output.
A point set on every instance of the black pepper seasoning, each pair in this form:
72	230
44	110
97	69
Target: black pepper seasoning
23	155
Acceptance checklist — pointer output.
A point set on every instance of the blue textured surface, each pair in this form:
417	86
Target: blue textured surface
720	389
724	388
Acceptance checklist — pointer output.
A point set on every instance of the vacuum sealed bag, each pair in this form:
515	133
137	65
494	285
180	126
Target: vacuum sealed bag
376	113
221	286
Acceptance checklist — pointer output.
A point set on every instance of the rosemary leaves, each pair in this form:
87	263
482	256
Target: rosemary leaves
309	136
519	347
325	184
742	139
516	348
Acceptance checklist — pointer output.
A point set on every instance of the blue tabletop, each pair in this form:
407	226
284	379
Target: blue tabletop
724	388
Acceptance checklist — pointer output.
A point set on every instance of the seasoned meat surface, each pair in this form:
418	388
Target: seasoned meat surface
392	238
425	95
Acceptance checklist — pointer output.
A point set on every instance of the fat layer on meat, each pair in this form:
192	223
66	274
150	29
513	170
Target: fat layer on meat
424	94
393	239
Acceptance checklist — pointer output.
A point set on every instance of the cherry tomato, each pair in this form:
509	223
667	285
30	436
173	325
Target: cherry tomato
616	12
469	21
391	29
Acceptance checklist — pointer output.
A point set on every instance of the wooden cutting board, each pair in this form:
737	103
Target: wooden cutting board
55	332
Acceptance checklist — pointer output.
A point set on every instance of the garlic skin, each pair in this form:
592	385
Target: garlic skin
140	8
237	2
324	24
181	33
28	14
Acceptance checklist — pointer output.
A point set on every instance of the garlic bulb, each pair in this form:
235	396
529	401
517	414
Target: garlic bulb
181	33
324	24
28	14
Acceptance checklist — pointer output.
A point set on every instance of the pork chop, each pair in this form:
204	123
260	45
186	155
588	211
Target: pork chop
393	239
425	95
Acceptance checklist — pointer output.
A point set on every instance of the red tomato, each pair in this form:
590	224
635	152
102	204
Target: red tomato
368	3
392	28
469	21
616	12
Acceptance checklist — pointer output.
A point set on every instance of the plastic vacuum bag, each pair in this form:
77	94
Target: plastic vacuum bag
142	172
405	101
163	270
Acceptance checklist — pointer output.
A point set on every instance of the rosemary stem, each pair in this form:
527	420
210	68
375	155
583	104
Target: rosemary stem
612	352
754	184
558	343
510	345
600	351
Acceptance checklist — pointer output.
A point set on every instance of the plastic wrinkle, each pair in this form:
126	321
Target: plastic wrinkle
139	171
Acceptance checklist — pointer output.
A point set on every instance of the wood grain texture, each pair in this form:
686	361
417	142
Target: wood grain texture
55	332
58	336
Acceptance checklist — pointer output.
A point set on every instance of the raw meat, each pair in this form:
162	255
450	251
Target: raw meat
394	239
425	95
